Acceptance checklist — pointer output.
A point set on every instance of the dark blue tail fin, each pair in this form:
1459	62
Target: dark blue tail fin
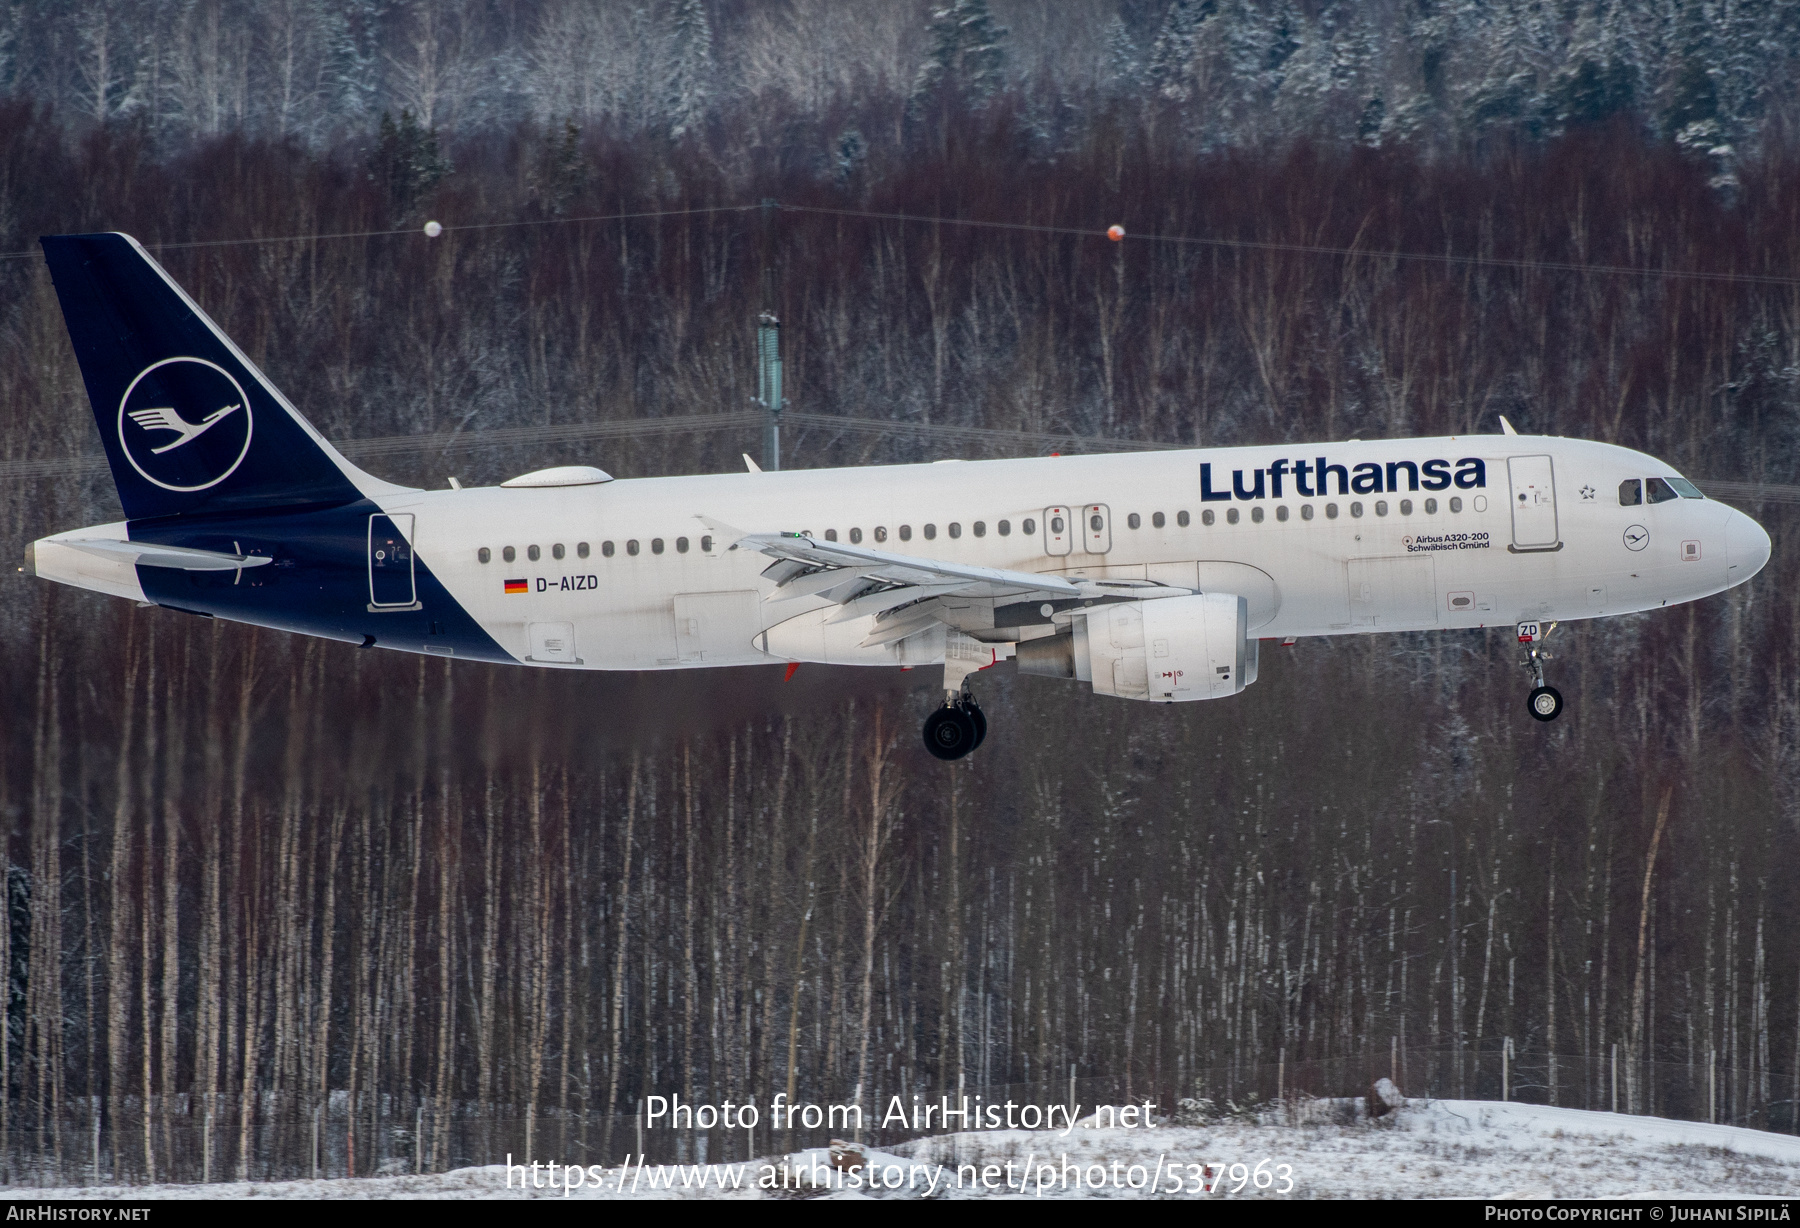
189	423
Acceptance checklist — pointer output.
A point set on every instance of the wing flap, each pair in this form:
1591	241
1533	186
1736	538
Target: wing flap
902	568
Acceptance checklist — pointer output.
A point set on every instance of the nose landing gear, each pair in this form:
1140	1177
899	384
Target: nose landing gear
1545	703
955	729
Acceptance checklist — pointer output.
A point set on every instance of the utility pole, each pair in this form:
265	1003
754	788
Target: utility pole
768	386
768	349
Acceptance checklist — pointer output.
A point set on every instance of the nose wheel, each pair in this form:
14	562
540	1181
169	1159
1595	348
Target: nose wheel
1545	703
955	729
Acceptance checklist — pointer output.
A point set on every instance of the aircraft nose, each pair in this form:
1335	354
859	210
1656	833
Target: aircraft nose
1746	548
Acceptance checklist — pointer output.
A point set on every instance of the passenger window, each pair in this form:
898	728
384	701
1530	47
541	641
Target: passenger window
1356	509
706	544
1256	514
1281	513
631	547
1231	515
1456	504
606	548
980	528
1331	511
1157	520
1181	518
955	529
556	551
905	532
856	537
1431	507
1133	521
533	553
1406	507
1381	507
1631	492
484	555
1028	526
930	532
1056	524
1206	517
1005	528
656	545
880	533
508	553
1306	511
581	550
830	535
681	545
1658	491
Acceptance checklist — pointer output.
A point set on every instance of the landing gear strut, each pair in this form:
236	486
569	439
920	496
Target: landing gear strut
1545	703
955	729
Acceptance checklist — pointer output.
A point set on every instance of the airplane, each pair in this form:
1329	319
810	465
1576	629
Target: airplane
1152	576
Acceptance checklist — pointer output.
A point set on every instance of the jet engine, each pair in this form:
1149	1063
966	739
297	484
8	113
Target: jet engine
1168	650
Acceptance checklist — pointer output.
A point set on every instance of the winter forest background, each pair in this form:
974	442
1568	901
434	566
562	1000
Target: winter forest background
264	891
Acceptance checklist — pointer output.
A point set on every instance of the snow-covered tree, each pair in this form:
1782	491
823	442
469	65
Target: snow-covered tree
690	83
104	61
967	52
406	161
848	157
1171	69
353	38
1122	74
1600	75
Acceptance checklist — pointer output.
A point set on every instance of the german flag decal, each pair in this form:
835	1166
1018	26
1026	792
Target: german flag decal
518	586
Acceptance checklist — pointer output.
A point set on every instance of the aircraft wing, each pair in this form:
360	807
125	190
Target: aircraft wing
904	591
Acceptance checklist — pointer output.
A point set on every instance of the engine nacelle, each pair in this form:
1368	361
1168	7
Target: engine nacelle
1168	650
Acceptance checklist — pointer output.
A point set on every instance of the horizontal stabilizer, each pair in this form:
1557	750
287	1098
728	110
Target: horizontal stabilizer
179	558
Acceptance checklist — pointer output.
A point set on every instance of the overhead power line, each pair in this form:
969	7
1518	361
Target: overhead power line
1314	249
417	232
1448	259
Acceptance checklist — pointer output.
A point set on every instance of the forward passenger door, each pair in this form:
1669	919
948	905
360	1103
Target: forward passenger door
1533	502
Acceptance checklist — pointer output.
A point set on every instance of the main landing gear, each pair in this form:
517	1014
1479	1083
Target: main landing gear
1545	703
955	729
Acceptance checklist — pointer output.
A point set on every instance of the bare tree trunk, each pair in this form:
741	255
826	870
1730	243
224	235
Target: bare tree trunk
44	1016
621	940
146	915
806	915
174	792
446	986
875	841
485	1006
688	970
566	855
1637	988
118	972
321	1026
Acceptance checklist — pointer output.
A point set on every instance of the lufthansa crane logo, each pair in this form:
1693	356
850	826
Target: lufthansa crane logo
185	424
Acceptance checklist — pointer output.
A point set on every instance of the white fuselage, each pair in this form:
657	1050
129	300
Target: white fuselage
1361	562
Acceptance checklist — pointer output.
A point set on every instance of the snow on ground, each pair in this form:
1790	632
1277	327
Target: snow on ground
1428	1149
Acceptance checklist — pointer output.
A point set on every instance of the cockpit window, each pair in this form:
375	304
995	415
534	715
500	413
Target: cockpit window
1631	492
1657	490
1685	488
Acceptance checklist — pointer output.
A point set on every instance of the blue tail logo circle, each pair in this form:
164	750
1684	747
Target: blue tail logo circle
185	424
